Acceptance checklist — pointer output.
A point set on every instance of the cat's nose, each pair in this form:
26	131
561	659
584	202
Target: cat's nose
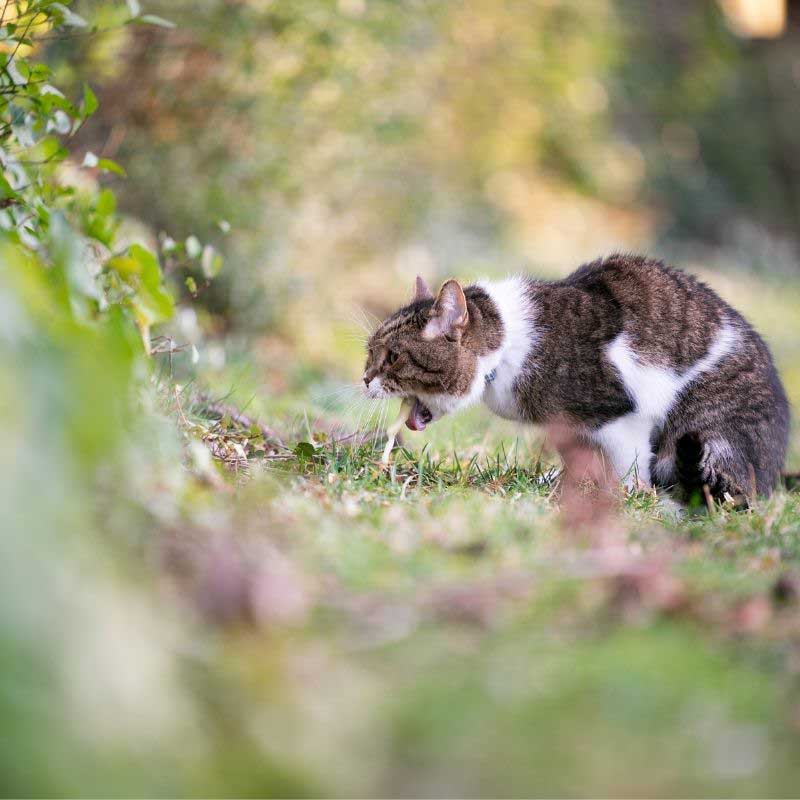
366	379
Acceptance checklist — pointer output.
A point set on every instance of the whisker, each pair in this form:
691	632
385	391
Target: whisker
379	428
361	322
359	416
344	399
335	394
374	421
346	417
356	336
369	319
369	316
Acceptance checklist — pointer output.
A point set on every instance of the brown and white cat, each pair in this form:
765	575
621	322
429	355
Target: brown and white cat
643	361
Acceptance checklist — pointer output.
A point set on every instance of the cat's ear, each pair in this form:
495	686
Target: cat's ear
449	315
421	290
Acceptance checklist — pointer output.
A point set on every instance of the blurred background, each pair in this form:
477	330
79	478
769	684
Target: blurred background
352	144
173	623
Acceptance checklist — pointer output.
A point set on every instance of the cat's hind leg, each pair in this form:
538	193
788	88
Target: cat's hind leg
712	462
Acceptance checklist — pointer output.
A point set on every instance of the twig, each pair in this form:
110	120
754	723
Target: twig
220	410
180	408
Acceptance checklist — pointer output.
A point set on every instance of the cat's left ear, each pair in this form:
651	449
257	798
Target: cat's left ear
449	315
421	290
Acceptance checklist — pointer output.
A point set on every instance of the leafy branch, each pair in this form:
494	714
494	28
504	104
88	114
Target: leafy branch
43	211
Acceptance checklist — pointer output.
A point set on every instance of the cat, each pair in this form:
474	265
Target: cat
643	361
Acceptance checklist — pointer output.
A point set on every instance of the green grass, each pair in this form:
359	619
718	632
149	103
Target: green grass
460	639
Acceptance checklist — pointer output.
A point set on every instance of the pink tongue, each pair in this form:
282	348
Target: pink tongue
415	421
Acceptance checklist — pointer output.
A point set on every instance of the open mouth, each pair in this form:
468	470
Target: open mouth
419	416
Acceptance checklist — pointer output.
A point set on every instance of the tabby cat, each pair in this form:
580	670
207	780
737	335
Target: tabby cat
642	361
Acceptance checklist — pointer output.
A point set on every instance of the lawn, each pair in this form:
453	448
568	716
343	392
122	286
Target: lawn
448	635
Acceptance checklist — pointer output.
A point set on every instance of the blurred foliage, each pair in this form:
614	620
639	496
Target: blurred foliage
364	139
84	457
53	208
71	228
713	114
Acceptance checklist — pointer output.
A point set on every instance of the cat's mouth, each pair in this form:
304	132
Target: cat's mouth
419	416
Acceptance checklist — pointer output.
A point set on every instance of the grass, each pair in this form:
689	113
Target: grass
460	634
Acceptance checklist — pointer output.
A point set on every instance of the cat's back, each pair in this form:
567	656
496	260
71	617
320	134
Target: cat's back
668	316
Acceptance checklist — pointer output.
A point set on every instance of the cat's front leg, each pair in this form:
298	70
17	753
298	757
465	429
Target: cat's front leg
625	444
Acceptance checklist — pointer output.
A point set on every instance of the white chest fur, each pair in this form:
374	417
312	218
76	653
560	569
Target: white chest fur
516	310
653	391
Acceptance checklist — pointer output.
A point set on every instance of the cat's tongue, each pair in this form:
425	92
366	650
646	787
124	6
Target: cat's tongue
418	417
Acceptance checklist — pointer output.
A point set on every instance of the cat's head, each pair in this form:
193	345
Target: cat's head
430	350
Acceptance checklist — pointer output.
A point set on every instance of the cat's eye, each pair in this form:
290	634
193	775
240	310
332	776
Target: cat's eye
391	357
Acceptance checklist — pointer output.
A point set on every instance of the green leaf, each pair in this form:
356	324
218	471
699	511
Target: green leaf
107	165
106	203
91	161
40	72
49	149
151	301
90	103
124	266
152	296
305	450
101	223
67	251
6	192
50	98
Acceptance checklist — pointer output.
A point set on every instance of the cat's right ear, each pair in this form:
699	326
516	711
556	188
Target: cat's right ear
421	290
449	315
